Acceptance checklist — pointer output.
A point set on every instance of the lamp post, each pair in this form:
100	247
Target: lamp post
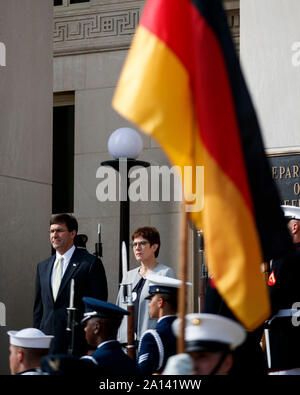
124	145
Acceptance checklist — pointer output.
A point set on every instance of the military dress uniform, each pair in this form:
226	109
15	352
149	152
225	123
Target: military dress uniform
208	334
112	360
283	330
30	339
158	344
109	356
249	356
144	321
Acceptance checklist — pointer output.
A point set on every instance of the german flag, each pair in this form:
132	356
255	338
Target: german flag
182	85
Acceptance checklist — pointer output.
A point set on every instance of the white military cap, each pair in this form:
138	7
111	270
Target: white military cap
291	212
163	285
210	332
29	338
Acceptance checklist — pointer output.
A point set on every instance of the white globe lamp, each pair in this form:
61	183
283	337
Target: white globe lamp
125	143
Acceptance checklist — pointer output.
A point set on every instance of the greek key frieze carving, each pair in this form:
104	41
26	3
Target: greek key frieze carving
98	31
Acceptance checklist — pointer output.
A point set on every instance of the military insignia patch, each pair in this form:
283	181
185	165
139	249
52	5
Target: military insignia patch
272	279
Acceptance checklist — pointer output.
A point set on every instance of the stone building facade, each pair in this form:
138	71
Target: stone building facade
70	56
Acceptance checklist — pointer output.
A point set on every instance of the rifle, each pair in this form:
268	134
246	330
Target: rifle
71	319
127	299
98	244
266	270
204	272
130	325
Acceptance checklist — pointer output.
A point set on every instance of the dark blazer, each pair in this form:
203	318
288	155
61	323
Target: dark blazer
156	346
112	360
51	317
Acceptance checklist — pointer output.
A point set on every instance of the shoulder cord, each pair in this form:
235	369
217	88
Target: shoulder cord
159	343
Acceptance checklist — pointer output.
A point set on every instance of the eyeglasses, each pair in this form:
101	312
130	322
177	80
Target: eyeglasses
139	244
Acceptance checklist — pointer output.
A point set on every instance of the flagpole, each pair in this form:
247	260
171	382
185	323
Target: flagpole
183	277
265	343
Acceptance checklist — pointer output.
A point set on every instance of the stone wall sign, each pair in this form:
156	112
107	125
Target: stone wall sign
286	175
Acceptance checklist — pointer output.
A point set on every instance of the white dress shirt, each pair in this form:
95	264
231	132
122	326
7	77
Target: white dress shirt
67	257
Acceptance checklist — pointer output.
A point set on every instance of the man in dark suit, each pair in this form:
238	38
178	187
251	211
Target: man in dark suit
102	321
53	280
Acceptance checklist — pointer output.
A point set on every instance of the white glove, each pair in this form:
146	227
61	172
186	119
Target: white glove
179	364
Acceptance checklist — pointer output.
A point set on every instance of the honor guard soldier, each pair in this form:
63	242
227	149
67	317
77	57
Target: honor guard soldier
283	330
27	347
210	342
158	344
102	321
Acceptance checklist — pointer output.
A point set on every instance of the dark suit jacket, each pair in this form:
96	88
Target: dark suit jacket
51	317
